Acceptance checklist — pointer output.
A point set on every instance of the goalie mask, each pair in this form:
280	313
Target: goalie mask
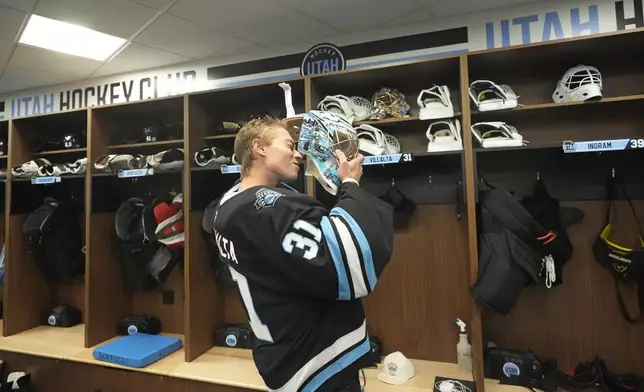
435	103
497	134
388	102
579	84
489	96
321	133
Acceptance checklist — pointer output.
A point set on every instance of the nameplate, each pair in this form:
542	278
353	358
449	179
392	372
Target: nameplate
387	159
603	145
136	173
45	180
230	169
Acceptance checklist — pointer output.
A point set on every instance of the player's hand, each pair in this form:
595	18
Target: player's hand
349	169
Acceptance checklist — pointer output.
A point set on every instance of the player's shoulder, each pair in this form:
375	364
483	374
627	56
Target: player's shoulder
262	199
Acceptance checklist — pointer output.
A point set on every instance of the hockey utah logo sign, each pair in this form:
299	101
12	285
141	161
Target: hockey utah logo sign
322	58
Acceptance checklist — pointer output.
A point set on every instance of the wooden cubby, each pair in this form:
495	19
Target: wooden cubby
435	260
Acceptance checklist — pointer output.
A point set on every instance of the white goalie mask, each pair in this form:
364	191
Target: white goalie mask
361	108
497	134
321	133
435	103
579	84
372	141
444	136
338	104
489	96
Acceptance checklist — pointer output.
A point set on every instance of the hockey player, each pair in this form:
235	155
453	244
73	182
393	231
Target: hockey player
301	269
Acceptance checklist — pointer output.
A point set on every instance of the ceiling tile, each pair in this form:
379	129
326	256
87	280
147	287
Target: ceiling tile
416	16
357	15
239	47
236	18
293	27
180	36
460	7
121	18
21	5
10	22
47	61
21	78
138	57
158	4
6	48
295	3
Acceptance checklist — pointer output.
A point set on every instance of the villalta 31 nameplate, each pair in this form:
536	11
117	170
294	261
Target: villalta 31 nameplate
387	159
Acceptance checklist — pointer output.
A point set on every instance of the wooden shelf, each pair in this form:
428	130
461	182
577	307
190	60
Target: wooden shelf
57	152
4	156
218	137
177	142
46	341
391	121
235	367
554	105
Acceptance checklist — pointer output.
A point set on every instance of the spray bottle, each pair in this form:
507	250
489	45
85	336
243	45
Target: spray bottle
463	349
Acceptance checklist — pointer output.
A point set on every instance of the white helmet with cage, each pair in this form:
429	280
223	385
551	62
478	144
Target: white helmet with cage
338	104
579	83
489	96
361	108
435	103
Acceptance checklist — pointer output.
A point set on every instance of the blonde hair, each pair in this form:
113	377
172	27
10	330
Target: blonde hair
255	129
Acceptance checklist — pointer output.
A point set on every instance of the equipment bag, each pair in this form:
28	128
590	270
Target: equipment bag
135	225
626	265
55	240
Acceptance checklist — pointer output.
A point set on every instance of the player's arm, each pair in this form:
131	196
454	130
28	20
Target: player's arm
337	254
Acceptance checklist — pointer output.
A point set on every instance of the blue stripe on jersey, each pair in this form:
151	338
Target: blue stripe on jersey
336	255
367	257
336	367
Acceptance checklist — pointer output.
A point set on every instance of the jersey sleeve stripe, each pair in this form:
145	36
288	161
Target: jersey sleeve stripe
362	241
336	255
352	258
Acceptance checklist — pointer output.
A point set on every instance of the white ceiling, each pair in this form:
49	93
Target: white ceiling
165	32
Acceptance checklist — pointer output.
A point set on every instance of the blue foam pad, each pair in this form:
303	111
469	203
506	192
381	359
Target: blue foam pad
137	350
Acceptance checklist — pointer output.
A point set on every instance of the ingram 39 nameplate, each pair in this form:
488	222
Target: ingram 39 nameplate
603	145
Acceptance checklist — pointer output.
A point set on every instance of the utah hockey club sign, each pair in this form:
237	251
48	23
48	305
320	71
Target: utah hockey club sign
322	58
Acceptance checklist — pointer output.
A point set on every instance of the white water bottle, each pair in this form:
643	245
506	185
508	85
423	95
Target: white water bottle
463	349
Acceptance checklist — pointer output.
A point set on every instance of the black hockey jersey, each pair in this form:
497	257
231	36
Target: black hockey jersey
301	271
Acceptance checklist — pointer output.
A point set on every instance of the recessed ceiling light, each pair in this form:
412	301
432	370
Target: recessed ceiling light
71	39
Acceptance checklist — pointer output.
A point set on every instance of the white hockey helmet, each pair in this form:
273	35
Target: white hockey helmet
435	103
338	104
444	136
321	133
361	108
579	84
497	134
489	96
372	141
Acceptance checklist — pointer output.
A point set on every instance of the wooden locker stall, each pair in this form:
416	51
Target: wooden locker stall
123	129
28	295
212	302
580	318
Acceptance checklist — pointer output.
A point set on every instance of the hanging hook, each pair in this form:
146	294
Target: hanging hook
430	181
393	182
538	175
613	172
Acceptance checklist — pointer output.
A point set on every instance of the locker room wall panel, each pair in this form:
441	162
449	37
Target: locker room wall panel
424	287
579	318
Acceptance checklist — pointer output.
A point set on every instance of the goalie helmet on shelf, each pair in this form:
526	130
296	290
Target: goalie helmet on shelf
372	141
353	108
444	136
489	96
497	134
321	133
579	84
388	102
435	103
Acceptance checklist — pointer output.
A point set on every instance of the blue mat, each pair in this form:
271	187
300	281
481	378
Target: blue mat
137	350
